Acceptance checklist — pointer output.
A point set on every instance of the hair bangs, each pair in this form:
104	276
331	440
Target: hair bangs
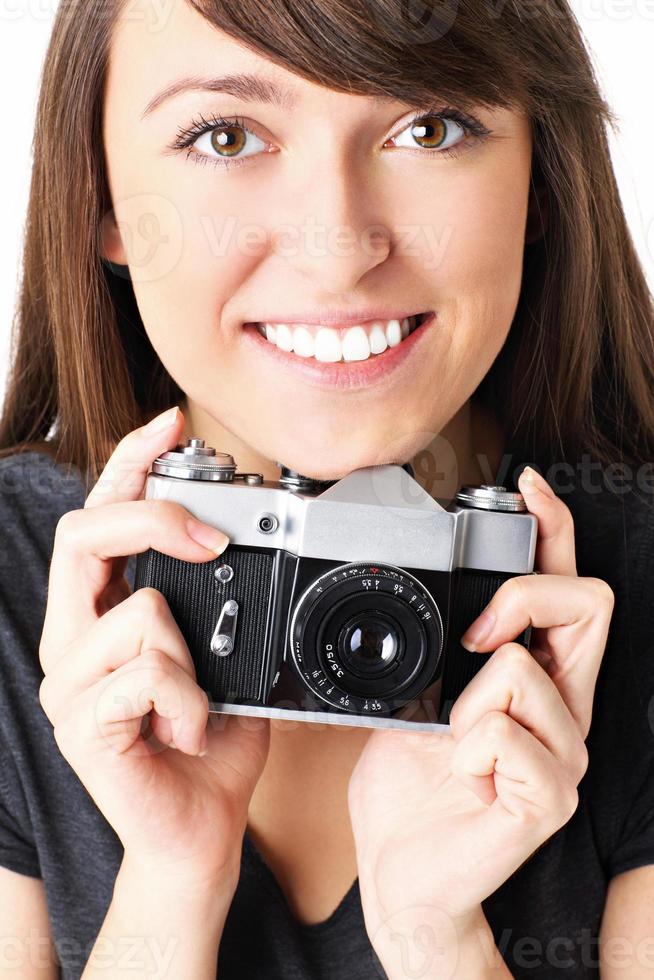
413	52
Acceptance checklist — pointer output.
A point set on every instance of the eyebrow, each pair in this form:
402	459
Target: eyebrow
248	88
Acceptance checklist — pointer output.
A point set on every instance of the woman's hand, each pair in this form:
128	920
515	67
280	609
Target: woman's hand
115	660
442	820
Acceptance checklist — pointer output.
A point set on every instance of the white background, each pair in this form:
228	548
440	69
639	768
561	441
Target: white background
620	35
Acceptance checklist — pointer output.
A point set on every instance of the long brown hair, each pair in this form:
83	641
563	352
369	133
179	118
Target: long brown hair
575	373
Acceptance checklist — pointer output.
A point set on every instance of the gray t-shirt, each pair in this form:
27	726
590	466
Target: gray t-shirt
545	918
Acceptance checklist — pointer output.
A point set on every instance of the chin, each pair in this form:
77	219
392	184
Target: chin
328	448
332	455
326	466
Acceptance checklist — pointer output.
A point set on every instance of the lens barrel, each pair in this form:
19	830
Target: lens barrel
366	638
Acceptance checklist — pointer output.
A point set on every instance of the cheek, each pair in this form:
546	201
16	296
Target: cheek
183	284
472	231
224	235
485	249
476	284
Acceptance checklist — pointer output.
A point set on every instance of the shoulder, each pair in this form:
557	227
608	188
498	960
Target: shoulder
614	539
614	536
34	492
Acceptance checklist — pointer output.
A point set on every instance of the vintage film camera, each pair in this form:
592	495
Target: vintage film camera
335	601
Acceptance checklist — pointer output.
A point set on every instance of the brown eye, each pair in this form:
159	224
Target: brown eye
429	132
228	140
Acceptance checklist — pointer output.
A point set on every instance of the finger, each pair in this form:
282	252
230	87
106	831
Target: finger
117	590
87	541
576	614
512	682
555	544
142	622
530	794
542	601
109	714
123	477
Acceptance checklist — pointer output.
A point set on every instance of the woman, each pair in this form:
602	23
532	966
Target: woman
356	167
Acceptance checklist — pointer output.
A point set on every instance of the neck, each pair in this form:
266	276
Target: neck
467	450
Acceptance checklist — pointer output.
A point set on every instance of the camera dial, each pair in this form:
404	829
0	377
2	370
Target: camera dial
491	497
195	461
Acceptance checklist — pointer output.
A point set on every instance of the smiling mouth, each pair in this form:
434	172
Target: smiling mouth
362	342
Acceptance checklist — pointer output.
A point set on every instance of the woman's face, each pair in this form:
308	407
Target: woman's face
333	208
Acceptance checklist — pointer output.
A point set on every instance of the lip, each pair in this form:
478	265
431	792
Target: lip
382	368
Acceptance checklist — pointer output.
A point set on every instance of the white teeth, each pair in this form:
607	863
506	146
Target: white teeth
378	342
393	333
303	342
284	336
326	344
355	345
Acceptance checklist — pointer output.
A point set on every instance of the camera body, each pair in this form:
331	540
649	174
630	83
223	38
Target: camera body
335	601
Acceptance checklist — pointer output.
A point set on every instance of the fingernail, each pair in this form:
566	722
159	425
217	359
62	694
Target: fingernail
534	481
207	536
161	422
478	631
204	746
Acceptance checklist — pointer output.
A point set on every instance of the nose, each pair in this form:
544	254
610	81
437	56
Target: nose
332	234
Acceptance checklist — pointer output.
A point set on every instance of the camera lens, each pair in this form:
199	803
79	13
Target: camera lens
369	645
366	638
